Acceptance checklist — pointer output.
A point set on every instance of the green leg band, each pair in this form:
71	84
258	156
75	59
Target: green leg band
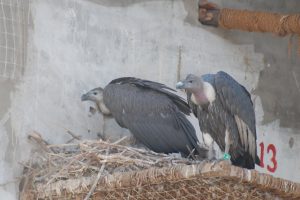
226	156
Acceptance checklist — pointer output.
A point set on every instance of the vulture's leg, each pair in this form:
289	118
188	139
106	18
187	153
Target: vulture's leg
209	142
227	145
227	156
102	135
103	128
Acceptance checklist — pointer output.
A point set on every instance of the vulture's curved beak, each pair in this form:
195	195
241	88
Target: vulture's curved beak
84	97
180	85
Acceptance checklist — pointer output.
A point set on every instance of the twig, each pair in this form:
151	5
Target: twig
64	168
62	145
97	179
120	140
73	136
26	166
191	153
35	136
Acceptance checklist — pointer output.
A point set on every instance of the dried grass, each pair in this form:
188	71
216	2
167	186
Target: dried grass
103	170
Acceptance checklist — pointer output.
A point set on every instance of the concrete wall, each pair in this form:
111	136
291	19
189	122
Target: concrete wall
59	49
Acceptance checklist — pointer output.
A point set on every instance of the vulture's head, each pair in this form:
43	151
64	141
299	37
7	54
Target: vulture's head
202	92
191	83
96	96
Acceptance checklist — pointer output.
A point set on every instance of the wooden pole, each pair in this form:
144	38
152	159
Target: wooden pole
251	21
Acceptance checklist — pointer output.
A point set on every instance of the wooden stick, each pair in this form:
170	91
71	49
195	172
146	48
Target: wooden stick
97	179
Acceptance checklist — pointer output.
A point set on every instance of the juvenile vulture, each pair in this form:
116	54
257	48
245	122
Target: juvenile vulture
226	115
153	114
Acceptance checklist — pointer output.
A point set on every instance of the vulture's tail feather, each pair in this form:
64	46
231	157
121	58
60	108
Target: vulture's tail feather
257	160
245	161
190	132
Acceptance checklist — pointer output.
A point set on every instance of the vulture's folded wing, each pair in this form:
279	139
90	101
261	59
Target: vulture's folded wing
237	100
152	117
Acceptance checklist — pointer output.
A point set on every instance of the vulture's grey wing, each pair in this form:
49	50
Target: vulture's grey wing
152	117
237	100
161	88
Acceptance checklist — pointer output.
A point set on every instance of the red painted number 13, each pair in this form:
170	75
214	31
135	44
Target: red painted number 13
270	150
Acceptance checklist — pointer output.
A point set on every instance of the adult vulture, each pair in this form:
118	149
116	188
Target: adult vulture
226	115
154	115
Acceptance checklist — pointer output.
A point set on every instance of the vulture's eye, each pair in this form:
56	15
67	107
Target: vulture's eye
190	81
95	93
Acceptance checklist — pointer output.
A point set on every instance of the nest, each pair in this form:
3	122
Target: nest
104	170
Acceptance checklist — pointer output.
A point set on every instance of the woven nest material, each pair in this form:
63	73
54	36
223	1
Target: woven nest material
103	170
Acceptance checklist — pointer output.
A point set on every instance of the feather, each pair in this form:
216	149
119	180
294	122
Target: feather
153	114
232	110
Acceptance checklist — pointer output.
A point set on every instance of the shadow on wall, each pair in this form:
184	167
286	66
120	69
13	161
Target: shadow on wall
279	81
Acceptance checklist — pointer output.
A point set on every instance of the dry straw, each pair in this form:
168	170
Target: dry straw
103	170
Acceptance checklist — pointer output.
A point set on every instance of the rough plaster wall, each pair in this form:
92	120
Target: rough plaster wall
13	35
76	45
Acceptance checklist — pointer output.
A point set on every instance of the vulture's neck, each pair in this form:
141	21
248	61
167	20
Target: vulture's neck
204	96
103	109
